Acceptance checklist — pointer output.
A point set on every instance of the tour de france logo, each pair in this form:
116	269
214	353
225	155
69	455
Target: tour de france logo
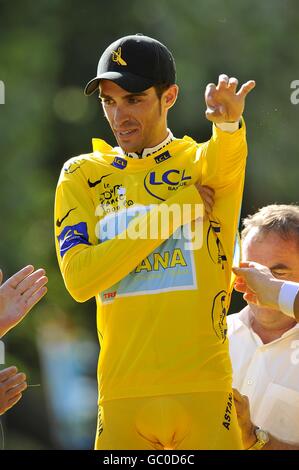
218	315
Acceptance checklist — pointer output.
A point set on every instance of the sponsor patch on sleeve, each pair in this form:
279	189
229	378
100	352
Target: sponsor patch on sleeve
71	236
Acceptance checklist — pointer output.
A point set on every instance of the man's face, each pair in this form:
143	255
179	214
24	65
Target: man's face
138	120
279	255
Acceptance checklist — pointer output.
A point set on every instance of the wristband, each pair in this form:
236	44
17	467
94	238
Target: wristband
229	127
286	299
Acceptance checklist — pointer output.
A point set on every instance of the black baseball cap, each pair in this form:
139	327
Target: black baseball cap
135	63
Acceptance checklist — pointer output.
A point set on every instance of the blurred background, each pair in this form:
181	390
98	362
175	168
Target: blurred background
48	50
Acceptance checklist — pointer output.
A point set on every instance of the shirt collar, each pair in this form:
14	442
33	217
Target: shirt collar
149	151
242	319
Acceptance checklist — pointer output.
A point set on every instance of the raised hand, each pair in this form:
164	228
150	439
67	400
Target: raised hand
19	294
224	103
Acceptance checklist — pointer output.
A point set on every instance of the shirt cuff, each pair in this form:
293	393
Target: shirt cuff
229	126
287	295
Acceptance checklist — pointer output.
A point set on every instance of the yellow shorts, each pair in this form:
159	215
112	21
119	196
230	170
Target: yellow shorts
205	420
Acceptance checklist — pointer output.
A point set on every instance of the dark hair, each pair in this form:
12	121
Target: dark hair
281	219
160	88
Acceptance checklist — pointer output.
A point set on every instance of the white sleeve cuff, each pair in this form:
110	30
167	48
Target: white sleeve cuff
229	127
288	293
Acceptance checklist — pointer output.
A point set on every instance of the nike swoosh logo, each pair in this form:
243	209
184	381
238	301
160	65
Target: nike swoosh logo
93	184
59	222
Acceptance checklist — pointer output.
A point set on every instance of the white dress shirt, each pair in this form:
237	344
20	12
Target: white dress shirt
268	374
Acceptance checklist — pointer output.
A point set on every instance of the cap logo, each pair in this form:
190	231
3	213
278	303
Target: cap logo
116	57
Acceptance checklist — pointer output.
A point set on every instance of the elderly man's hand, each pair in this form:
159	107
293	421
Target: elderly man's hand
12	385
224	103
244	419
258	284
19	294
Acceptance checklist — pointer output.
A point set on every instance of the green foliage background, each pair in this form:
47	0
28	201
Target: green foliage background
50	48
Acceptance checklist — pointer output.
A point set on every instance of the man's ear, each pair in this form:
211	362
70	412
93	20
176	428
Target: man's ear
1	277
170	96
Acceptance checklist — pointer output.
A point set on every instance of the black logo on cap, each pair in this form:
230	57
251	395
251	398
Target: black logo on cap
116	57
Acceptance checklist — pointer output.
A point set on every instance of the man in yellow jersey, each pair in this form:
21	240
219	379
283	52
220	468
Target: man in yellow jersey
164	371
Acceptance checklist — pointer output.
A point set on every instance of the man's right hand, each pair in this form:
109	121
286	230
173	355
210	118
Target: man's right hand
12	385
207	195
224	103
258	284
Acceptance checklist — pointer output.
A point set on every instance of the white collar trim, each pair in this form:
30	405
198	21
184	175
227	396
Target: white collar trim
149	151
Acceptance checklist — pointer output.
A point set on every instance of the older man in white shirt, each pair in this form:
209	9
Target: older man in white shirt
264	343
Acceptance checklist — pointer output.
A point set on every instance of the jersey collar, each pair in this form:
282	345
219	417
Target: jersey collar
149	151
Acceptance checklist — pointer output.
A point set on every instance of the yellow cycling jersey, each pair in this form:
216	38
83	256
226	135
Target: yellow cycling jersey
161	306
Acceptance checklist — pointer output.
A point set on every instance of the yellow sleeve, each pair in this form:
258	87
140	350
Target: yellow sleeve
223	160
89	267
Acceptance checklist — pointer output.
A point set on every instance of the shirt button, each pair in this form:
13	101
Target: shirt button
250	382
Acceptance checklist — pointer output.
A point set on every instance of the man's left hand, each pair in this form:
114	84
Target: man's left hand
224	103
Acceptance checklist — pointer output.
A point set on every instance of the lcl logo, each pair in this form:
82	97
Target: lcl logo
155	182
120	163
168	177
